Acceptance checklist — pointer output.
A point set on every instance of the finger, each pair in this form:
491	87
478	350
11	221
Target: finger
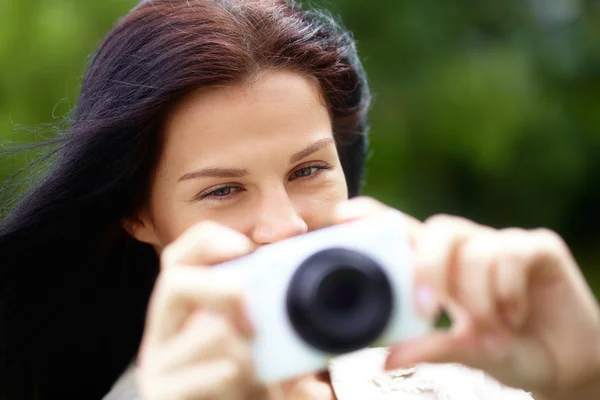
218	379
180	290
437	347
510	281
434	254
206	243
474	291
310	387
511	287
468	347
323	376
522	253
206	336
356	208
460	319
517	362
363	207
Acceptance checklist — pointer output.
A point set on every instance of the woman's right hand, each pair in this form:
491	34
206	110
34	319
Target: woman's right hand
196	339
196	343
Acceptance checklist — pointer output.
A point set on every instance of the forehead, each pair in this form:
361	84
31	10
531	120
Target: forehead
278	108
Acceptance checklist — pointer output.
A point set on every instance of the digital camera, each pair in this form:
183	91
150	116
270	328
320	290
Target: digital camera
329	292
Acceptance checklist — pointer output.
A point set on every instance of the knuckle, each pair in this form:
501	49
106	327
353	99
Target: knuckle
513	231
168	285
507	294
549	245
204	228
228	300
168	255
244	356
245	360
516	248
236	299
440	219
481	310
233	298
549	238
481	317
220	331
216	336
161	288
368	204
166	279
455	225
365	199
233	373
517	259
474	252
147	382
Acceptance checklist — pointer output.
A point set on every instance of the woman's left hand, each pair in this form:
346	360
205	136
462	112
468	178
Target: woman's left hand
521	310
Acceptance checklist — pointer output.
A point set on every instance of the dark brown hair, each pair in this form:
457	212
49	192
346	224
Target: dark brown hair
74	286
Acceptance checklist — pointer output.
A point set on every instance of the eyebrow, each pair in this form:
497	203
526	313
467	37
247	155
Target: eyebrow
313	148
215	173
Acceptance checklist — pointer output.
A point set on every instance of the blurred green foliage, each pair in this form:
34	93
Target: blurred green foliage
486	109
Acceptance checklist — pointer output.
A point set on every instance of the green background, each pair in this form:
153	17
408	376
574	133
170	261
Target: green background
486	109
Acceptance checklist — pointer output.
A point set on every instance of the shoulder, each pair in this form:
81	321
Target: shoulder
125	388
360	375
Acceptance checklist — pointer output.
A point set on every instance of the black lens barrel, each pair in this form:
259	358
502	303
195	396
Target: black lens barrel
339	300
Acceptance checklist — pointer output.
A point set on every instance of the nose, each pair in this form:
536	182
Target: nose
277	219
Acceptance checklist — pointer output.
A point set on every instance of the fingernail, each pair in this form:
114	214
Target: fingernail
397	359
393	361
389	365
426	301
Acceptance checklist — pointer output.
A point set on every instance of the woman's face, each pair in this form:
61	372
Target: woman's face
259	158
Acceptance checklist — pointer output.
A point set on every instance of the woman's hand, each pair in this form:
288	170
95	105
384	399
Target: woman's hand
196	339
520	307
196	343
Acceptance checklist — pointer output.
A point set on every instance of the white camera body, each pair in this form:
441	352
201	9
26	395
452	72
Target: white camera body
329	292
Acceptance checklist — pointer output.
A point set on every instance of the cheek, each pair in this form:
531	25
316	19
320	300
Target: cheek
237	217
171	218
316	209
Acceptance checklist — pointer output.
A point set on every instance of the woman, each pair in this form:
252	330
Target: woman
203	130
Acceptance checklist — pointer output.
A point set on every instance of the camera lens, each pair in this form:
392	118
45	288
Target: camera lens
340	292
339	300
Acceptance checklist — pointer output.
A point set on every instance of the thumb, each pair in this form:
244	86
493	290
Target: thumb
466	346
437	347
364	207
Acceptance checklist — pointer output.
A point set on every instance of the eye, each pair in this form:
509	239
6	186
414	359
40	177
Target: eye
309	171
306	171
226	191
220	192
